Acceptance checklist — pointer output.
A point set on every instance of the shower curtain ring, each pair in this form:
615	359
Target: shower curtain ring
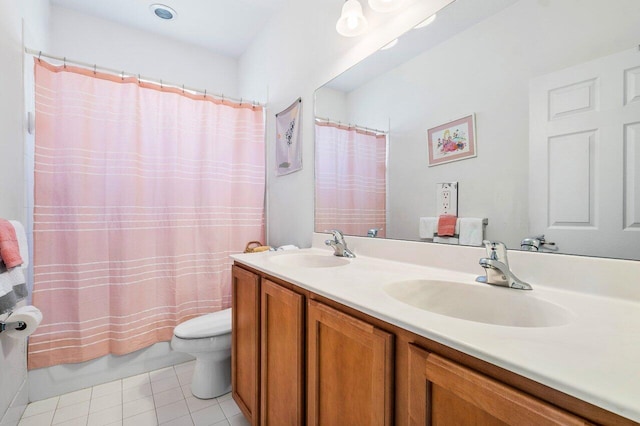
64	61
183	89
138	79
205	93
94	69
122	75
39	55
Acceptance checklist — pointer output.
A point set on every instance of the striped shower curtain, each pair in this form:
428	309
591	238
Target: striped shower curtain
141	194
350	180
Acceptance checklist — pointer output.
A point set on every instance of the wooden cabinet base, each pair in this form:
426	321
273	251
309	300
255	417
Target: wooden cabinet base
245	342
350	370
442	392
360	370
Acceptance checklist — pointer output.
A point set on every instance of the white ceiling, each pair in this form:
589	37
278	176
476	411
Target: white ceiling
223	26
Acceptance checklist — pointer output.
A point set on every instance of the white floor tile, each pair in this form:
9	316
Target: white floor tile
229	407
107	388
139	406
182	421
208	416
161	397
79	421
186	391
136	392
148	418
71	412
74	397
224	397
134	381
37	419
238	420
168	397
172	411
103	402
105	417
163	373
185	366
41	406
196	404
165	384
185	377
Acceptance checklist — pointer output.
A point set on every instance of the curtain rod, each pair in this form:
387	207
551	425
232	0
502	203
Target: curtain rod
350	126
39	54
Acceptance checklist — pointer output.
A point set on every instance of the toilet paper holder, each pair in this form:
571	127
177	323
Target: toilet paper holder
18	325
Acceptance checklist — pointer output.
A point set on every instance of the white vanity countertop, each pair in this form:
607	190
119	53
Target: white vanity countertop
596	357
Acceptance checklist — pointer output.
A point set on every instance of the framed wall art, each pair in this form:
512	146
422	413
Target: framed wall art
288	145
452	141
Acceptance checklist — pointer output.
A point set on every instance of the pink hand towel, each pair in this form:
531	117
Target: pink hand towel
447	225
9	249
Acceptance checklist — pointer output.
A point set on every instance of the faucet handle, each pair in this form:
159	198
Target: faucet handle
496	250
338	236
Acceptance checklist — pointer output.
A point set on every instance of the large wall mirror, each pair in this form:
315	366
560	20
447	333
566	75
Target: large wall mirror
553	88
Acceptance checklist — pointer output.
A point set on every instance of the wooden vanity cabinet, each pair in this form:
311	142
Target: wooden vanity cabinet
350	370
245	341
442	392
282	356
300	358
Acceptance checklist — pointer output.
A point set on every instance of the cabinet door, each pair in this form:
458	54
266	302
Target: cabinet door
245	342
442	392
350	370
282	356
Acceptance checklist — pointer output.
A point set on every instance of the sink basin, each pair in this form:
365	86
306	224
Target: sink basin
305	260
480	303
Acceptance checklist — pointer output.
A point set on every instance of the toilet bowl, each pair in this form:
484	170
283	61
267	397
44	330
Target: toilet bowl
208	339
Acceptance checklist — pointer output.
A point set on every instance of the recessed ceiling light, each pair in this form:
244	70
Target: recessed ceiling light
163	12
426	22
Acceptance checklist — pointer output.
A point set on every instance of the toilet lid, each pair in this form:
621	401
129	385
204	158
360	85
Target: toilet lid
208	325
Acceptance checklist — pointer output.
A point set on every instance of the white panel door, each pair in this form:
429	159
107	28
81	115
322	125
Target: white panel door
584	157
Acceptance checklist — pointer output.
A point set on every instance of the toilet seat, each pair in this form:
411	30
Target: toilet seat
209	325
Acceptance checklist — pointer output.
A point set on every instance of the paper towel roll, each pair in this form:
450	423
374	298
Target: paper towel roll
30	315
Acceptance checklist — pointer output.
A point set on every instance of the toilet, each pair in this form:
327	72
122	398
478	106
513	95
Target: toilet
208	339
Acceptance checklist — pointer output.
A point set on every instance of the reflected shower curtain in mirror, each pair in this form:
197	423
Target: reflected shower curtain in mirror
141	194
350	179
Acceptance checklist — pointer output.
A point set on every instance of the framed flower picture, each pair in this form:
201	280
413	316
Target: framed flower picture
452	141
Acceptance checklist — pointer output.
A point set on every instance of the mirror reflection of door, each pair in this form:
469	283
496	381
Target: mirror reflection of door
351	182
584	156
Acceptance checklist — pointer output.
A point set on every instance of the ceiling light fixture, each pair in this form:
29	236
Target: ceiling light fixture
385	5
426	22
352	22
163	12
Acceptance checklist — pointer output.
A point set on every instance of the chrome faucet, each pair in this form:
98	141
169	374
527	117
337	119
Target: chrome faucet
339	245
373	232
497	269
538	243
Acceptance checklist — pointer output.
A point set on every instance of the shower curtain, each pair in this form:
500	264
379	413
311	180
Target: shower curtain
141	194
350	179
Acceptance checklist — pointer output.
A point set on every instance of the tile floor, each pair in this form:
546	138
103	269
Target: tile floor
161	397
